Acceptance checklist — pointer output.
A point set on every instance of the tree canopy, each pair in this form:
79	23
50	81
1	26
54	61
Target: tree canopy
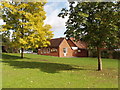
95	23
26	20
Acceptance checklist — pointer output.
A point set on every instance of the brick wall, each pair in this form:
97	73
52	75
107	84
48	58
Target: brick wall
83	53
50	53
70	52
64	44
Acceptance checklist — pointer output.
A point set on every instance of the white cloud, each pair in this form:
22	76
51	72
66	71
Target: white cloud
57	23
57	0
54	20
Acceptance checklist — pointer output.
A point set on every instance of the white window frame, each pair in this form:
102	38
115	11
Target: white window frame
65	50
79	50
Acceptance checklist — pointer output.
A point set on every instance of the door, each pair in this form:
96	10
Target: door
65	51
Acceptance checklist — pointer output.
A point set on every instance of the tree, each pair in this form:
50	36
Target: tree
26	20
5	39
95	23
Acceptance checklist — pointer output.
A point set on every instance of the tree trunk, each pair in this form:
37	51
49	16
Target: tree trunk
99	59
22	52
89	53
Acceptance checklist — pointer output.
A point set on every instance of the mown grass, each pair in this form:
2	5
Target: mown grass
37	71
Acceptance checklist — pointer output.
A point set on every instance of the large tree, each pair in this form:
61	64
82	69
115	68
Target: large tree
26	20
95	23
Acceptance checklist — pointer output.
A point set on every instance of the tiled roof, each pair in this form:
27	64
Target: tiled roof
79	44
56	42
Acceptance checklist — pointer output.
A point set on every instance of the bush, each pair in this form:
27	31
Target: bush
104	54
116	54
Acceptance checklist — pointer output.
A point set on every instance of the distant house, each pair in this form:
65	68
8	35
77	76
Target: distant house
62	47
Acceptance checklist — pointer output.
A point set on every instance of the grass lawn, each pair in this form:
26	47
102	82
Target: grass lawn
37	71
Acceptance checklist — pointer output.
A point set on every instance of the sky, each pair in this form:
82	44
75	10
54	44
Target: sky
58	24
52	9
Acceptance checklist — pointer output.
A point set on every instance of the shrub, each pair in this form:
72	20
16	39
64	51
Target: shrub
116	54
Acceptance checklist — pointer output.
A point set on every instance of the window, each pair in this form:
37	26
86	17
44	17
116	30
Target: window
53	50
79	50
48	50
41	51
65	50
44	50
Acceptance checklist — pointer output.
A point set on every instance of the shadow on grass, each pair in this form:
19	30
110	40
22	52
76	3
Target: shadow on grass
11	57
43	66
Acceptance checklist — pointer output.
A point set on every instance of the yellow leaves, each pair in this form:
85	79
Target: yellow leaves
32	39
33	32
28	15
45	45
21	12
42	13
6	27
22	5
47	42
36	46
3	29
5	4
47	26
29	47
22	41
1	7
11	7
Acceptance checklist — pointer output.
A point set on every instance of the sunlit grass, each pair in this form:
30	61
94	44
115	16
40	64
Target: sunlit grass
37	71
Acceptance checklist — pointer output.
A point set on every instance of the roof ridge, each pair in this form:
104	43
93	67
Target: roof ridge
79	43
62	40
72	42
59	38
56	42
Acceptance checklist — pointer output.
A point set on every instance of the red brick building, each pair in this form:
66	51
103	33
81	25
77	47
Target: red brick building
62	47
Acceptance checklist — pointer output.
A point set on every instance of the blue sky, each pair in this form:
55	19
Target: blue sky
58	24
52	9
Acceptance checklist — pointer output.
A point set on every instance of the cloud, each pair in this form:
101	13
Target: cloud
57	23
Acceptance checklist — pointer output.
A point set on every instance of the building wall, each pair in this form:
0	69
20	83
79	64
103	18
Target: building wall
40	52
64	44
70	52
75	53
71	43
82	53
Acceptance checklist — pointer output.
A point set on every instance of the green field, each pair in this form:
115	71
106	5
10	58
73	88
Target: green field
37	71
